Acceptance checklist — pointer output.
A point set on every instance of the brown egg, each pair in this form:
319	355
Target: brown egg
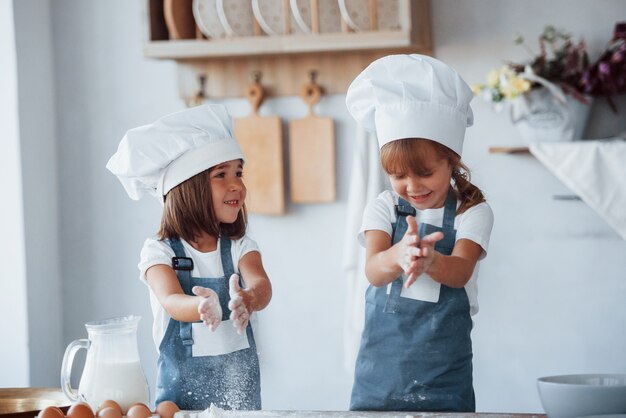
51	412
109	412
80	410
139	410
109	404
167	409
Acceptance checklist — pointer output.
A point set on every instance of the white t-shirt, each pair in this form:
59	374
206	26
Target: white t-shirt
208	264
474	224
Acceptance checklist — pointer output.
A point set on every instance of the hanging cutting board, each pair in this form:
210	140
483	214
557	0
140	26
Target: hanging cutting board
261	140
179	19
312	153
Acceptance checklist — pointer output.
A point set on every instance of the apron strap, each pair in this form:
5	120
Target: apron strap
449	211
227	260
226	256
183	266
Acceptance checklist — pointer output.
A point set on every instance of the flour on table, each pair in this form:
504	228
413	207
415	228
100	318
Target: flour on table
212	412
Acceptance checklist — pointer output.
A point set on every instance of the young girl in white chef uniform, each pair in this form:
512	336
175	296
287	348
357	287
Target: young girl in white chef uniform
205	275
423	239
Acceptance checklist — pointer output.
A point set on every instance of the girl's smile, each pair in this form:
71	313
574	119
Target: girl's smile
419	198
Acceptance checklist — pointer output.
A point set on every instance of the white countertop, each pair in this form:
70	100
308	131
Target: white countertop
220	413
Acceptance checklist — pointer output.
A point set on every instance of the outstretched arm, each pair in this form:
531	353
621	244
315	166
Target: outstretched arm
185	308
257	292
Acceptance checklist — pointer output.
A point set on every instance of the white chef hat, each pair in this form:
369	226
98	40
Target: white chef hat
412	96
153	159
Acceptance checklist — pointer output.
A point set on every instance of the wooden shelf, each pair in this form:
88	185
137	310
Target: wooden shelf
254	46
285	60
509	150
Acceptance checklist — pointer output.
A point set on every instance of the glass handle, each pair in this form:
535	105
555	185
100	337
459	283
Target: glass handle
66	368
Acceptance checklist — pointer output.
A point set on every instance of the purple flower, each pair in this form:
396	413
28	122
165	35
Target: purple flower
607	76
604	68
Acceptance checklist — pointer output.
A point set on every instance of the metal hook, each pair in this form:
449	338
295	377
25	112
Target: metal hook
256	76
202	81
200	95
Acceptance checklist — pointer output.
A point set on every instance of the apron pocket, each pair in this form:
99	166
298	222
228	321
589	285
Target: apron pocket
223	340
424	288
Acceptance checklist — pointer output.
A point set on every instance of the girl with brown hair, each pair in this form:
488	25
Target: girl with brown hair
202	269
423	239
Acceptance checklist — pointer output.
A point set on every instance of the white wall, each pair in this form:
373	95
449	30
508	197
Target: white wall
39	174
551	290
14	366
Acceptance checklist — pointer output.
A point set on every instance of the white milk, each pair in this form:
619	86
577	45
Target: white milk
123	382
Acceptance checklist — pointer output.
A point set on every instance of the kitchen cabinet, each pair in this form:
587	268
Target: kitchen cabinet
225	64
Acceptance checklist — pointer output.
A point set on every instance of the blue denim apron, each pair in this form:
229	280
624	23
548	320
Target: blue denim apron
230	381
416	355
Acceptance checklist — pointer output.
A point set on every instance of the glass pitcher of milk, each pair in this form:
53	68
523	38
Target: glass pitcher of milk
112	368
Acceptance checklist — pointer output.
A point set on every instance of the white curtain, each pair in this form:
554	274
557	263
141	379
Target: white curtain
367	181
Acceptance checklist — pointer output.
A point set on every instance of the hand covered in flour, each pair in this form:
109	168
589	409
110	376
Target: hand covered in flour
209	306
239	304
425	256
407	249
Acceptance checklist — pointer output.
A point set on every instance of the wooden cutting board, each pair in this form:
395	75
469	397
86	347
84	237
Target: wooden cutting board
312	153
179	19
261	140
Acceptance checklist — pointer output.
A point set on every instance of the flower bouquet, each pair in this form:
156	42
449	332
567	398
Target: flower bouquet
546	96
549	96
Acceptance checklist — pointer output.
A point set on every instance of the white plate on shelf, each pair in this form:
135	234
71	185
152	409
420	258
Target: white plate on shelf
236	17
220	18
269	14
205	13
329	15
357	16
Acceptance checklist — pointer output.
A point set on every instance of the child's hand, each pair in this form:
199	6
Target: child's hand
408	250
425	256
209	307
239	302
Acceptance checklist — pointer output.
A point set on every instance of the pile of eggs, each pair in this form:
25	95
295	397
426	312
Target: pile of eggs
111	409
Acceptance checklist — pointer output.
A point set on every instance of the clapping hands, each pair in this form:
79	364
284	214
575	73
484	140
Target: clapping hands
415	256
211	312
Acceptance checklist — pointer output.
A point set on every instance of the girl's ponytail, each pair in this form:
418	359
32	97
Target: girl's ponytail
467	193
